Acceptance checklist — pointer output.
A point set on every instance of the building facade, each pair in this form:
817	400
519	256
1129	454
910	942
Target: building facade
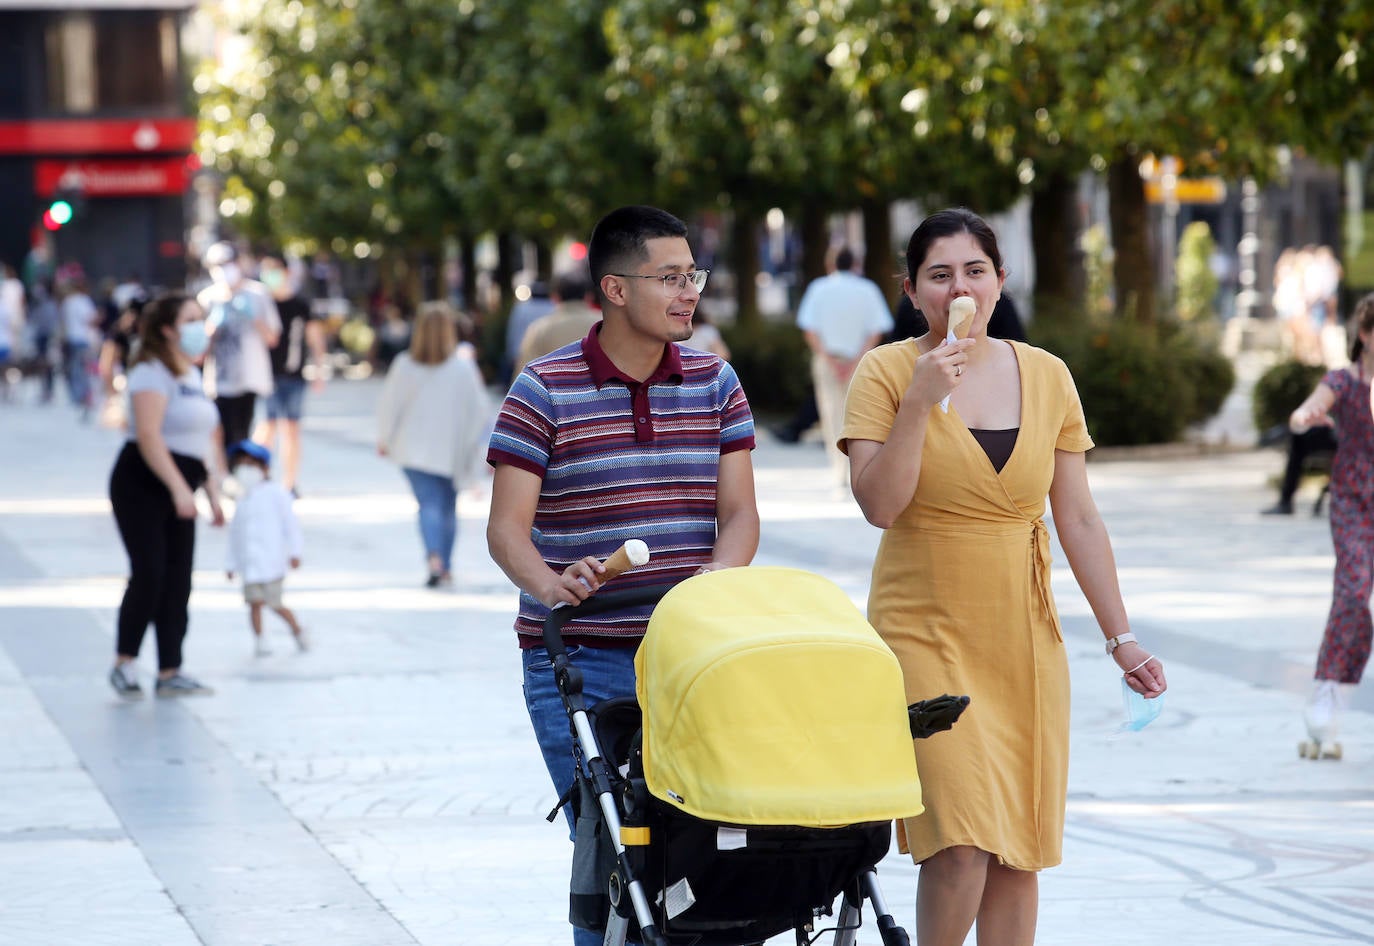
95	110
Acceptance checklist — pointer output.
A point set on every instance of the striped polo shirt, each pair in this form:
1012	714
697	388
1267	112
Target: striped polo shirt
621	459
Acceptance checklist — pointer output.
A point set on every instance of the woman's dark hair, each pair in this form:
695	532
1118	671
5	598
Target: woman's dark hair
158	314
1363	320
948	223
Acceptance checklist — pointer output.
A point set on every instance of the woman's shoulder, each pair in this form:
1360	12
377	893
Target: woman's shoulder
1039	361
150	372
894	356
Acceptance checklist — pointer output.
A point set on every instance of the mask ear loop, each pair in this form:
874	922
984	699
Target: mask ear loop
1138	666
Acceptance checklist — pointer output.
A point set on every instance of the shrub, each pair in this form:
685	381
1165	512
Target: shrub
773	363
1133	387
1280	390
1209	373
1196	283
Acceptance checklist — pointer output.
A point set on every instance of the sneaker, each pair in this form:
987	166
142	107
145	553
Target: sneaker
260	648
1323	707
124	679
302	640
181	685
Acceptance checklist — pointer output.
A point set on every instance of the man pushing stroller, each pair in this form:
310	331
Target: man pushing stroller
625	434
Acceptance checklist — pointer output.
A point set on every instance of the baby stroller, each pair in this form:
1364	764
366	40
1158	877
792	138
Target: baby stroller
759	781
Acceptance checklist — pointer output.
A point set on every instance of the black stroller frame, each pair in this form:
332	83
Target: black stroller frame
624	807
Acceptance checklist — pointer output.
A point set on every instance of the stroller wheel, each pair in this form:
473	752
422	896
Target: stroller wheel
616	890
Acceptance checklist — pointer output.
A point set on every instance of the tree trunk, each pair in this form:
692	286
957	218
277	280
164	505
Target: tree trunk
880	262
1055	229
507	262
1134	266
543	256
744	262
467	257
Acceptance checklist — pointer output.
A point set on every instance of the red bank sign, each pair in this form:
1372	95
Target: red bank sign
158	176
97	136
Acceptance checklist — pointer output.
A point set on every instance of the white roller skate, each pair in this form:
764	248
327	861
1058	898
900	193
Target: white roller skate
1322	716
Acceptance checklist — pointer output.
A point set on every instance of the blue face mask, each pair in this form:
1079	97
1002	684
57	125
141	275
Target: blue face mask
192	338
1140	712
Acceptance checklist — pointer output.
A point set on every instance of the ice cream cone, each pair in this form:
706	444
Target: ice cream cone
630	555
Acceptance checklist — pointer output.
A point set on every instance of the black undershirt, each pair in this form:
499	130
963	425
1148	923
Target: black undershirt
997	444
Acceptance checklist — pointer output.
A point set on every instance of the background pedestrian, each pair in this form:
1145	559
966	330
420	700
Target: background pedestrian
243	324
152	491
843	315
432	420
1341	401
265	541
300	345
80	319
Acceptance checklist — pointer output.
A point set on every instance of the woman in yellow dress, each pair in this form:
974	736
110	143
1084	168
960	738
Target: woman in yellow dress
961	584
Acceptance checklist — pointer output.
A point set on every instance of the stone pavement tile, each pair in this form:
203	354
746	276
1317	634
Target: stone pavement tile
54	798
63	891
488	879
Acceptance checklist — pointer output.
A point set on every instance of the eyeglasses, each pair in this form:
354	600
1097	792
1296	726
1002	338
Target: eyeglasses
674	283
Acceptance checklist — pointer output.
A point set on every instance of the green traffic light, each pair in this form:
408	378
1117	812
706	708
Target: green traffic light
61	212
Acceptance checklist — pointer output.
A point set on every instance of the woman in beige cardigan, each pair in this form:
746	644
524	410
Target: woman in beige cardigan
432	421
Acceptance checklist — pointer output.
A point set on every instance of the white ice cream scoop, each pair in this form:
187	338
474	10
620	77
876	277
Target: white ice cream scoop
630	555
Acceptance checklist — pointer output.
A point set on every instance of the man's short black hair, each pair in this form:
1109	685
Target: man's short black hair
844	260
617	243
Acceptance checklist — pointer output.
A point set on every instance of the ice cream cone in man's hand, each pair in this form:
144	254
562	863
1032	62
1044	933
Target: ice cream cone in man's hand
632	554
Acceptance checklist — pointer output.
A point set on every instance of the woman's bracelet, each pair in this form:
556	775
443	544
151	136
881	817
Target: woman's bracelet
1139	665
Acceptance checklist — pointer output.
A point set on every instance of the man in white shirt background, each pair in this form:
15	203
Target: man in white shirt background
843	315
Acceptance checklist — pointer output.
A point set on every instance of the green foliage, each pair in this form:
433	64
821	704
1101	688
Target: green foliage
773	364
1133	388
1280	390
1194	279
1210	375
1097	263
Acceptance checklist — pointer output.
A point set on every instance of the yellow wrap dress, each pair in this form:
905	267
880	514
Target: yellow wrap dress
961	593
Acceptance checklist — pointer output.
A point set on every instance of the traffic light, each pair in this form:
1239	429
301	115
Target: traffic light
64	206
58	214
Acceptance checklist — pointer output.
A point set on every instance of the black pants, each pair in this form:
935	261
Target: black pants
1300	447
236	417
161	548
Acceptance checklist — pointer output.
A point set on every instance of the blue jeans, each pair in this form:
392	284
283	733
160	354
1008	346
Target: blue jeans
607	672
76	366
438	513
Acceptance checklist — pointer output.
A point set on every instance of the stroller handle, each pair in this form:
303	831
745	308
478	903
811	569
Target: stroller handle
596	604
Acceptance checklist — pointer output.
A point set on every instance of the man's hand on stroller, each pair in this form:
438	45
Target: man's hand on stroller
938	715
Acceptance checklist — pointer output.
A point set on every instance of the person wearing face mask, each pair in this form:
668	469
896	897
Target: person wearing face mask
264	541
961	581
152	491
243	324
300	345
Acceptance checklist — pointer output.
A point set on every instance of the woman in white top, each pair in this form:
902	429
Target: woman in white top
432	421
152	490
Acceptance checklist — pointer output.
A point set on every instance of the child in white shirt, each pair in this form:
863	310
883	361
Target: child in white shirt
264	540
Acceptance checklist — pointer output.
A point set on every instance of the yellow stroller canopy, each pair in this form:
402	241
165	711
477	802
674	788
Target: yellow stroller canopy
768	699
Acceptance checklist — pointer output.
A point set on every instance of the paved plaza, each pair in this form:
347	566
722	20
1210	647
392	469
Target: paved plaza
384	789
